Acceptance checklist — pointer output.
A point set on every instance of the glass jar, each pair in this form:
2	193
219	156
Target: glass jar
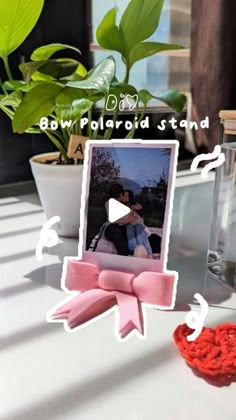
222	242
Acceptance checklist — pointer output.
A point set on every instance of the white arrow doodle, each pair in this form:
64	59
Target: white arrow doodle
195	320
48	237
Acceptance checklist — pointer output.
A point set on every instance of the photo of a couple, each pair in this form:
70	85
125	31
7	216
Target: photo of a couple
137	178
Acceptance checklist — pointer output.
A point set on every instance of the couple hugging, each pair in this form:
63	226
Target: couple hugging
129	235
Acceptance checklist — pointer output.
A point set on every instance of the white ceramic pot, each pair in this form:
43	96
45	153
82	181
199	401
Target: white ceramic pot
59	188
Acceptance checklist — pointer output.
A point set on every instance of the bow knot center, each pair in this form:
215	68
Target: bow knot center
116	280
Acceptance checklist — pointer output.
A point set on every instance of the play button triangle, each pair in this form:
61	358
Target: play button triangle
116	210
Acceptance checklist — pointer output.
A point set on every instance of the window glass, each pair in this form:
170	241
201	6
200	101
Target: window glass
161	71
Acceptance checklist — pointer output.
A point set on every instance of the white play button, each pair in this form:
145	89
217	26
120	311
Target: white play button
116	210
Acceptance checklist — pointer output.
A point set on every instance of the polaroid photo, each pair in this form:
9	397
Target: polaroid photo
126	204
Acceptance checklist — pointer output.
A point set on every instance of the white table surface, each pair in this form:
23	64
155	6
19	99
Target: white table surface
47	374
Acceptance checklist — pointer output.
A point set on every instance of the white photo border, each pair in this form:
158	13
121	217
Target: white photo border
113	261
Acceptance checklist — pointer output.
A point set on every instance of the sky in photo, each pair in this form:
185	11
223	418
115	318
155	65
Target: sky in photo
142	165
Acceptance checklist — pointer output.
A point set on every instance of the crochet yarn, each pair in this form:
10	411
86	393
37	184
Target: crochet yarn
213	353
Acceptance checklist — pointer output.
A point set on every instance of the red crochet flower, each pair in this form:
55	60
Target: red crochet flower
213	353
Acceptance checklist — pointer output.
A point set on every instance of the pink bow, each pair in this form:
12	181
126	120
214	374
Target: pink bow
101	290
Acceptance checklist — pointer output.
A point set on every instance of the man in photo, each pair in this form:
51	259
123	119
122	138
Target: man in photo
117	232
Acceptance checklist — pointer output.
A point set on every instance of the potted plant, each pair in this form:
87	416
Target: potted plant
58	97
21	18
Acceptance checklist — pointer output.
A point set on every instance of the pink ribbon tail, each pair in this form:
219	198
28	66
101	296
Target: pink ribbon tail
85	307
130	313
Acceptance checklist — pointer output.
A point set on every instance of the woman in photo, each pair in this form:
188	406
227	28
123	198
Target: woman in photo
124	237
137	232
116	232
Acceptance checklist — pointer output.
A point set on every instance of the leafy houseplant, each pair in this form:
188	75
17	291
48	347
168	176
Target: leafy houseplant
17	20
59	90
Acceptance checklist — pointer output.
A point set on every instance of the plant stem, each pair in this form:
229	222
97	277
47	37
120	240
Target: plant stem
133	130
102	115
78	128
57	144
65	136
90	116
2	87
8	112
109	131
127	74
61	138
7	68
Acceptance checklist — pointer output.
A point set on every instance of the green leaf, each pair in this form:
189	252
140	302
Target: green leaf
20	85
108	34
69	94
173	98
17	19
139	21
145	96
46	51
80	74
95	97
40	77
28	69
13	100
79	108
34	130
63	112
118	89
37	103
14	84
81	71
59	68
75	111
56	68
99	78
146	49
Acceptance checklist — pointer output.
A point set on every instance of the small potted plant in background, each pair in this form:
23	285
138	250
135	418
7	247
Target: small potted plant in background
58	97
